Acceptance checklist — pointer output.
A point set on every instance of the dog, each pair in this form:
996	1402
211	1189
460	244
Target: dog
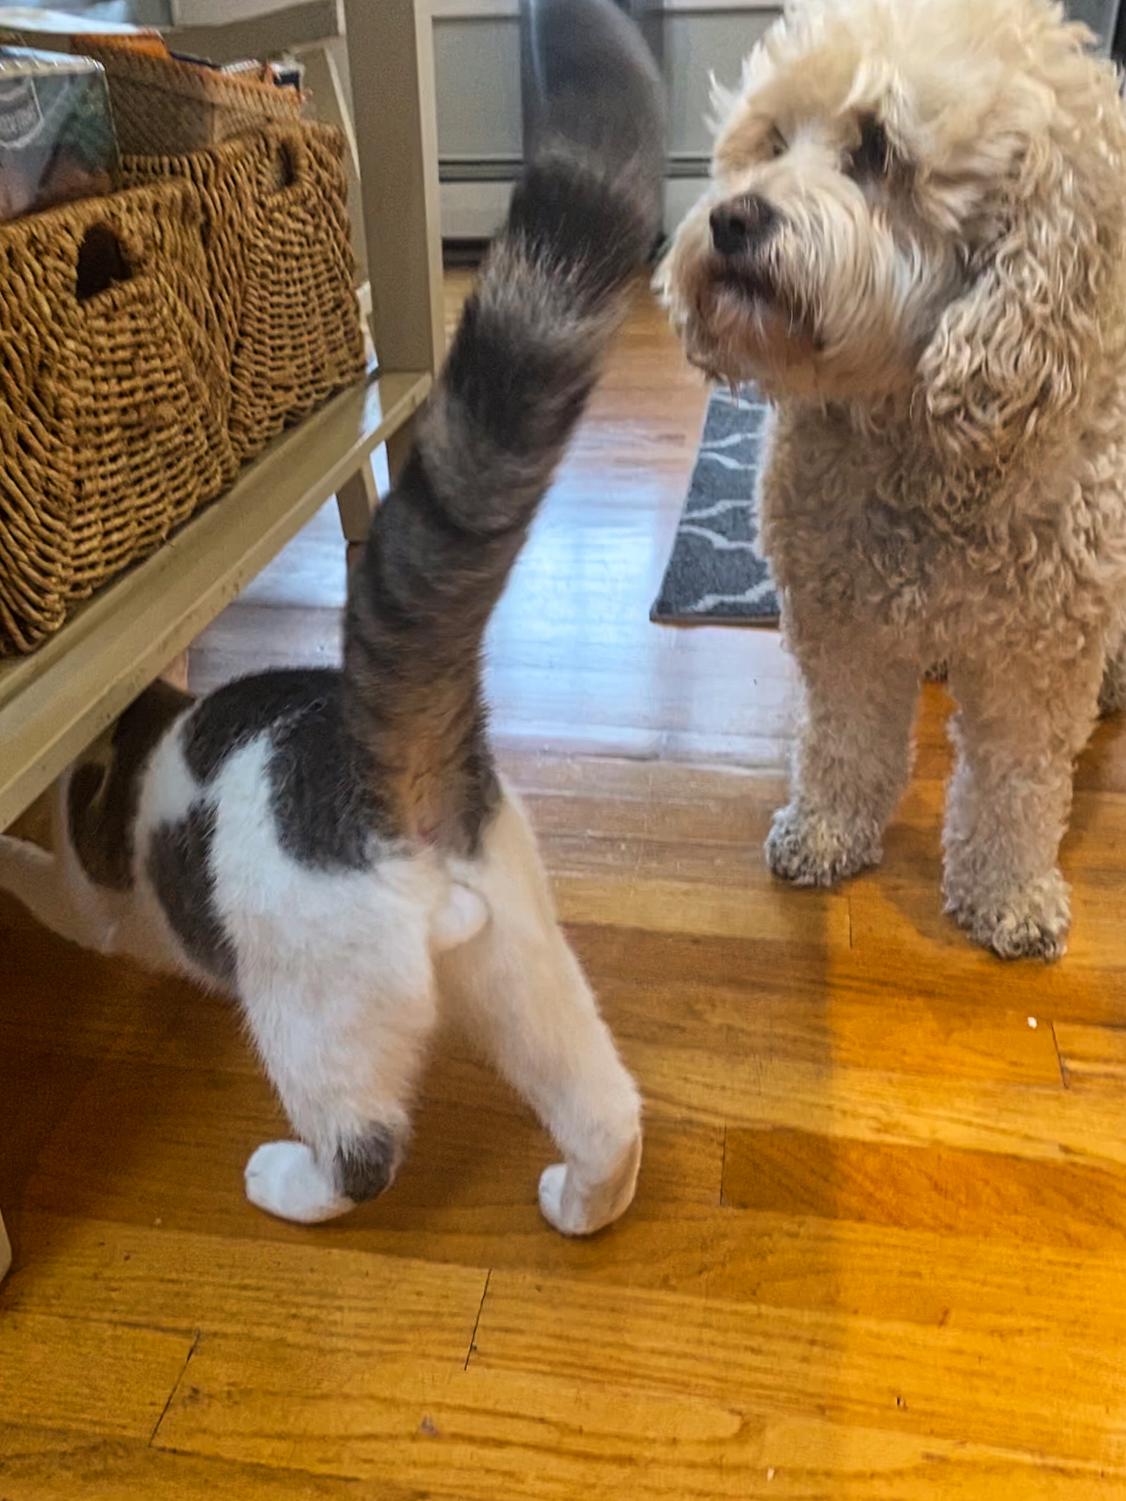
914	244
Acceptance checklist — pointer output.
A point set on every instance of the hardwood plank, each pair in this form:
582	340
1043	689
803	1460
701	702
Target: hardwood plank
481	1433
616	788
833	1265
98	1269
596	883
901	936
114	1270
463	1434
1015	1392
99	1377
473	1204
38	1464
948	1191
181	1138
104	1008
1031	1121
773	1017
1093	1058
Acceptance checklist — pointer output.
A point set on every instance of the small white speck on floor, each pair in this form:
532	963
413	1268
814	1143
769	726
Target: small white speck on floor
1033	1023
770	1473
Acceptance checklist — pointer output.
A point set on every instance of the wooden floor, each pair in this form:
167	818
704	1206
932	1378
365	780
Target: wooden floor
879	1247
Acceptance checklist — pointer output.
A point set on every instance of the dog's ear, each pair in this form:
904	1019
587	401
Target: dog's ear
1008	360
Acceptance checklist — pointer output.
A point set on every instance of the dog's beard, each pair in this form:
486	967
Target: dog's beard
813	313
745	324
738	318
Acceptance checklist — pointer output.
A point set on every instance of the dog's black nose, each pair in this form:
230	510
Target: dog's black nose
740	224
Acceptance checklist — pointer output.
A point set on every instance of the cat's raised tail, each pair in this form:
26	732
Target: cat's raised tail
583	219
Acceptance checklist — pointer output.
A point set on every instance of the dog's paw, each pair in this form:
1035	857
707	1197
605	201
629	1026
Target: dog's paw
1031	923
811	850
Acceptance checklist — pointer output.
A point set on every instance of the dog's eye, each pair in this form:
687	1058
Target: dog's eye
872	157
776	143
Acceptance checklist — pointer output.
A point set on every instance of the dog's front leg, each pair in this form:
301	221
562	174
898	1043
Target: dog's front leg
1020	727
852	756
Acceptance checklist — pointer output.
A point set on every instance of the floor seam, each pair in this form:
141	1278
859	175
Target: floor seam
176	1386
477	1320
1064	1080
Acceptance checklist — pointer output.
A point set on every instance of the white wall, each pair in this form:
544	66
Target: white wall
477	60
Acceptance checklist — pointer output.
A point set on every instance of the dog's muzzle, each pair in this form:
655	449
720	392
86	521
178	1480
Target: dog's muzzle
741	225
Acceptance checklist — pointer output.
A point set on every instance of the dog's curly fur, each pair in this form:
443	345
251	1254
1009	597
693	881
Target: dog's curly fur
931	285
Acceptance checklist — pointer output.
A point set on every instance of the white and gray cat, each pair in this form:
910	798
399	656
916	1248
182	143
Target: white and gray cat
336	848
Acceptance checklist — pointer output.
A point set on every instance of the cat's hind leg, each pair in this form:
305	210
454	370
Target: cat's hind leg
33	876
55	893
343	1049
519	990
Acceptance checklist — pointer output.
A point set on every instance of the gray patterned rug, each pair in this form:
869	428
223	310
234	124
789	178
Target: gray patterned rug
716	572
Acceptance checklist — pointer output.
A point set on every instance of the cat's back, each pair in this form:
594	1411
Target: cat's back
285	731
258	840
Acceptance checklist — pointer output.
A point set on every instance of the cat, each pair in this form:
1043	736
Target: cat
335	848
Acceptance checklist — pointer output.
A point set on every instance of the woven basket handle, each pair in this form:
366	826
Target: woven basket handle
101	262
290	160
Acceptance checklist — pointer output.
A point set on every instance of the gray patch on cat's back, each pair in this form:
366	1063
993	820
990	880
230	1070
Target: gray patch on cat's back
237	713
322	786
102	800
179	867
365	1167
321	795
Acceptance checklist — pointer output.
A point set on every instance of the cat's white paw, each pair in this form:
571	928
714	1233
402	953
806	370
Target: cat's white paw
553	1180
573	1212
284	1179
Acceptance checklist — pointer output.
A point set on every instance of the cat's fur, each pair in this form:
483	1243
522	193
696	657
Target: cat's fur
336	848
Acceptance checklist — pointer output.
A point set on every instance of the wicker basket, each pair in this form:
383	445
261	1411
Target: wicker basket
113	396
162	107
280	264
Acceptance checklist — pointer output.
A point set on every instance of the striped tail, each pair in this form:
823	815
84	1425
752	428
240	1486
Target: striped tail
582	222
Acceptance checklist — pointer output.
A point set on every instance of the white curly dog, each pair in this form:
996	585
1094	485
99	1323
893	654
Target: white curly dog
914	243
